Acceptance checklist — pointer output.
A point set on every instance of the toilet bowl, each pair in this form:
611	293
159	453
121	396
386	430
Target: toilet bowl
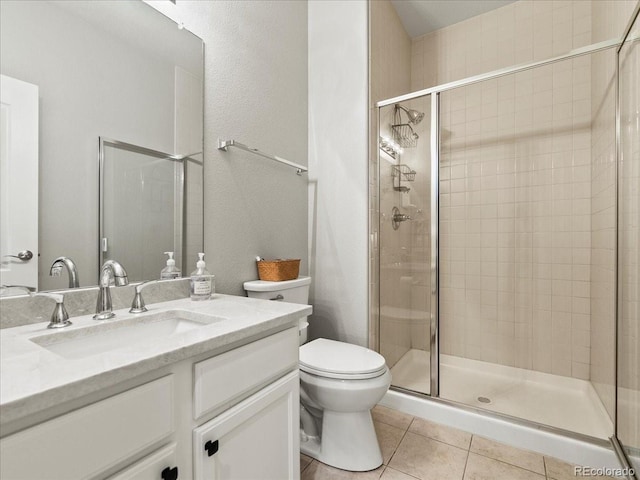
339	385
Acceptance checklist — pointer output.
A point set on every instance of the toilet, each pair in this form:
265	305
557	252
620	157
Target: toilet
339	385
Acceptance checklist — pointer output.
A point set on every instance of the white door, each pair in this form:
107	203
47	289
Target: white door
258	438
18	183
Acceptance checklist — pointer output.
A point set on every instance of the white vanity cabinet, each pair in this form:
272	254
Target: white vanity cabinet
231	416
257	438
88	441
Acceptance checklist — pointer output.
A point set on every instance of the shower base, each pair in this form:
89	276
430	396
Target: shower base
553	400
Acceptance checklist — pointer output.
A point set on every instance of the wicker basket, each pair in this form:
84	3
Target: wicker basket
278	270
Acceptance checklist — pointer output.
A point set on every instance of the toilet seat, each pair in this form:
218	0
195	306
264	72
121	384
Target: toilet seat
332	359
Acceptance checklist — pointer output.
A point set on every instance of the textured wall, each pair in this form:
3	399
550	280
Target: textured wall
338	96
256	93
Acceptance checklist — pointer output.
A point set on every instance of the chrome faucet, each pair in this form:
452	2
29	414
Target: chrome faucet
110	271
138	306
56	267
59	317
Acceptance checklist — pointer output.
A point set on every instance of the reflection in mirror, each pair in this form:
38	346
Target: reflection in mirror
141	207
108	69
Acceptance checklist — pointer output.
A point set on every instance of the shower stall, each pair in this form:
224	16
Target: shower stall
506	242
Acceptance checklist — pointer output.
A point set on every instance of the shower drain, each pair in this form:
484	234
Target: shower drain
484	400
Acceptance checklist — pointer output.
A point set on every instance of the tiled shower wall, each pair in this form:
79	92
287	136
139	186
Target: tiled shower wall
515	224
515	186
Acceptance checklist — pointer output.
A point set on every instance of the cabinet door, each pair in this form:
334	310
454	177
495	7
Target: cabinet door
258	438
160	465
92	439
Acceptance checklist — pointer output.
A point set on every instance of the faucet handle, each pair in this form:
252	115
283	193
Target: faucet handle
58	297
59	317
138	306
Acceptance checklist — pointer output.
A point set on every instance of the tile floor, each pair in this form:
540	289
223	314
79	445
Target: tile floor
414	448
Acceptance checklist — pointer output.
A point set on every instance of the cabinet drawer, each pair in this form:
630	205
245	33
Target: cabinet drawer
152	466
220	379
92	439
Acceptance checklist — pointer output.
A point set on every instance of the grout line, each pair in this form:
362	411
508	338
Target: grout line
400	442
391	424
512	465
466	461
383	470
407	474
546	471
441	441
307	466
544	463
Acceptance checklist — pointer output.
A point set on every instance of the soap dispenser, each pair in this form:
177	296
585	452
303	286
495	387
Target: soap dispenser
170	271
201	281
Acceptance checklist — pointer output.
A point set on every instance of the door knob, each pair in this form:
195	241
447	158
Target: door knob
24	255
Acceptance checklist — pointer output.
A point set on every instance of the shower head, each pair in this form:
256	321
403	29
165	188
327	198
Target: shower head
415	116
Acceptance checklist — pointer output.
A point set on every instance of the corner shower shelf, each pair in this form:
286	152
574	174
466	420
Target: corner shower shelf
402	172
404	135
405	171
225	144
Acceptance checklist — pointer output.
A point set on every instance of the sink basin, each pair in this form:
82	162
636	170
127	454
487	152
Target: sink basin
107	337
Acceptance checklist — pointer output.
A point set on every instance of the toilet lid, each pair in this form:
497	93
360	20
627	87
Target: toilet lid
330	358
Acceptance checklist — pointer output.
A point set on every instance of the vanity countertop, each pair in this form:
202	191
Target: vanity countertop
32	378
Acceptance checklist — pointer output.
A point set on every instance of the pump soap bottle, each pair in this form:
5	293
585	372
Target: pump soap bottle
170	271
201	281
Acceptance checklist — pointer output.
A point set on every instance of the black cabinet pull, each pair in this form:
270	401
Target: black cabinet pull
169	473
211	447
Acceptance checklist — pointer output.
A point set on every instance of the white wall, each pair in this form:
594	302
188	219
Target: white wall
338	239
256	93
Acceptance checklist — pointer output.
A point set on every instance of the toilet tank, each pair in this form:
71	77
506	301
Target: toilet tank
292	291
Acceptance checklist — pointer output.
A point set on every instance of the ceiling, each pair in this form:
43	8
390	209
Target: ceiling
424	16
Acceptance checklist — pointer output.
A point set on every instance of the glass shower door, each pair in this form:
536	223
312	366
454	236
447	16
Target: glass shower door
404	241
628	388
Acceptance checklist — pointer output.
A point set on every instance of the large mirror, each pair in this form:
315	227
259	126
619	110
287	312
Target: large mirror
75	72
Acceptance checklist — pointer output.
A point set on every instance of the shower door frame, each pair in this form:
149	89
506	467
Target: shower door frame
618	447
434	92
